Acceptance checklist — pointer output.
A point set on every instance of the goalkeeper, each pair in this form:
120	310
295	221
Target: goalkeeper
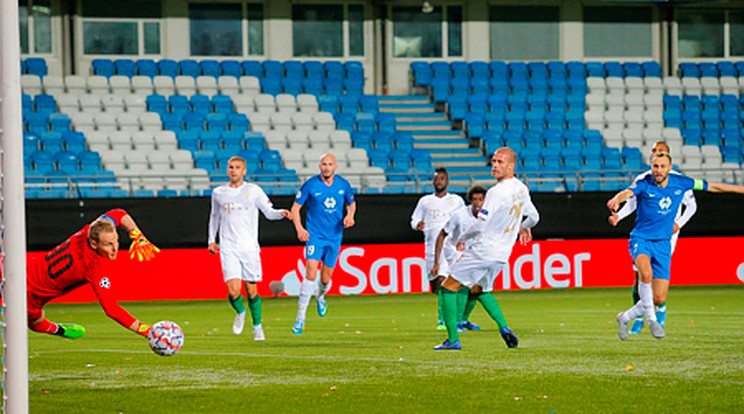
79	260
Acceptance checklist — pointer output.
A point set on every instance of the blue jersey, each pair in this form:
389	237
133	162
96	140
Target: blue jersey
325	206
657	206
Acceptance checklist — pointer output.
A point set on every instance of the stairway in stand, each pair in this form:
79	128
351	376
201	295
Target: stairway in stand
433	131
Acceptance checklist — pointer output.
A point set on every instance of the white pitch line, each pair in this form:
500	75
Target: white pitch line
391	361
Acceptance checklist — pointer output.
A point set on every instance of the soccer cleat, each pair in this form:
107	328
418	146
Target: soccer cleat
470	326
661	316
298	327
656	330
238	323
72	330
460	328
322	308
635	329
448	346
258	333
511	340
441	326
622	327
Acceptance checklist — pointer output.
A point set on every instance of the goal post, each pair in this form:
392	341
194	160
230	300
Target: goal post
13	216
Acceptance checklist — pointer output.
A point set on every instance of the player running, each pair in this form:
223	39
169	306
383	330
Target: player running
494	232
80	260
429	216
325	195
686	210
659	197
234	216
461	219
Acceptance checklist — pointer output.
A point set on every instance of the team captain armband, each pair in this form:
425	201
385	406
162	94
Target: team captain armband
114	216
700	185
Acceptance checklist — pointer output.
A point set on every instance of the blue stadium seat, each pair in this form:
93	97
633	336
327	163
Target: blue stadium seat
89	160
42	160
273	69
189	67
252	68
386	123
422	73
172	121
368	103
66	161
200	104
37	123
233	141
45	104
168	67
125	67
217	122
313	86
231	68
361	139
238	122
383	141
51	142
102	67
74	141
210	67
59	122
156	103
146	67
314	69
365	122
179	104
193	120
379	158
651	69
349	104
222	104
210	141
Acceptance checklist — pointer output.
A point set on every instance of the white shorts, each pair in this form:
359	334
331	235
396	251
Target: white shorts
244	265
443	266
673	240
470	271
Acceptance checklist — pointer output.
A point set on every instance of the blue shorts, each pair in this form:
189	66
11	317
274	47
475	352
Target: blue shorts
659	251
323	251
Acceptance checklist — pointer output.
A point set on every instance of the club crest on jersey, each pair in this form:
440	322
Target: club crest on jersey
341	192
104	283
678	192
330	203
299	194
665	203
483	211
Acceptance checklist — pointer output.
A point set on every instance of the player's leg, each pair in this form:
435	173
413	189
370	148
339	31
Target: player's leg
38	323
493	309
231	272
449	290
638	321
435	282
661	288
330	257
252	274
462	303
307	288
641	254
469	307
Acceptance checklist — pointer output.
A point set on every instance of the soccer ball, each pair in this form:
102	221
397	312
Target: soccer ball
165	338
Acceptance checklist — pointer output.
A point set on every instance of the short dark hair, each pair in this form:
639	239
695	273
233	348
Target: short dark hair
441	170
476	189
662	154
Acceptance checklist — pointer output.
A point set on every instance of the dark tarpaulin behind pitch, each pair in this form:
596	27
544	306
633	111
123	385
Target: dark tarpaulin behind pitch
380	219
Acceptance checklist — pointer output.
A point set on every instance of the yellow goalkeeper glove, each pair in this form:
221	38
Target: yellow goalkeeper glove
141	247
143	329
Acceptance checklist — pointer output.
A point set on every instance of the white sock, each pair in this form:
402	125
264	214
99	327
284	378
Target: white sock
306	292
633	312
647	299
323	288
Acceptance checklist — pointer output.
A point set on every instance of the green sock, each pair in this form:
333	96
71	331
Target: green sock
469	306
254	304
237	304
662	306
462	301
636	296
449	309
491	305
440	311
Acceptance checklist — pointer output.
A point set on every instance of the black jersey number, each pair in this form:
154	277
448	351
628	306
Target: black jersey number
60	260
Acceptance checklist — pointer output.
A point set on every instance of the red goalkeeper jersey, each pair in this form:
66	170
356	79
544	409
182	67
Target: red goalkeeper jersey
72	264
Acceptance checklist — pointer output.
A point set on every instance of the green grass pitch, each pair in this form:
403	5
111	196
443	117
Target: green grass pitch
374	354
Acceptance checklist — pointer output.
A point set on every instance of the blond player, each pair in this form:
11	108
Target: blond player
234	216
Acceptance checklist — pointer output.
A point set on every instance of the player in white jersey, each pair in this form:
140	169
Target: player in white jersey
686	210
429	216
234	216
447	247
500	222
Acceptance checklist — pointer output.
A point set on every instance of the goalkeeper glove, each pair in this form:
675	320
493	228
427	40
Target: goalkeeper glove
143	329
141	247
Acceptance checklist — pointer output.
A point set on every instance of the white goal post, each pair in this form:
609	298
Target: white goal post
13	216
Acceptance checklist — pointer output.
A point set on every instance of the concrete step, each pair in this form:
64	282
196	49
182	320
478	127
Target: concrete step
421	116
406	107
432	143
473	162
460	152
395	99
449	134
424	126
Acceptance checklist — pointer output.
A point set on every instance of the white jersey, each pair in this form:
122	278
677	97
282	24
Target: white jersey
235	216
498	223
460	221
683	214
434	212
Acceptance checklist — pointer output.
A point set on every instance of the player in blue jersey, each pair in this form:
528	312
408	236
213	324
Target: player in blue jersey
658	198
326	195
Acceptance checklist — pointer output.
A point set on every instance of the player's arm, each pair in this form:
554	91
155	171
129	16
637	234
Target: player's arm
618	199
114	311
140	246
627	209
214	225
489	206
350	212
438	250
690	207
302	234
723	188
268	210
531	218
417	218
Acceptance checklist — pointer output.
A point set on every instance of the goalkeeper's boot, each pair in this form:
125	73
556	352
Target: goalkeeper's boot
635	329
511	340
470	326
460	328
448	346
656	330
622	327
298	327
72	330
322	308
441	326
238	323
661	313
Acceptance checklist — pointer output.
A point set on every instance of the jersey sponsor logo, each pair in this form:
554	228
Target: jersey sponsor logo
330	203
665	203
299	194
105	283
317	194
483	211
652	195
